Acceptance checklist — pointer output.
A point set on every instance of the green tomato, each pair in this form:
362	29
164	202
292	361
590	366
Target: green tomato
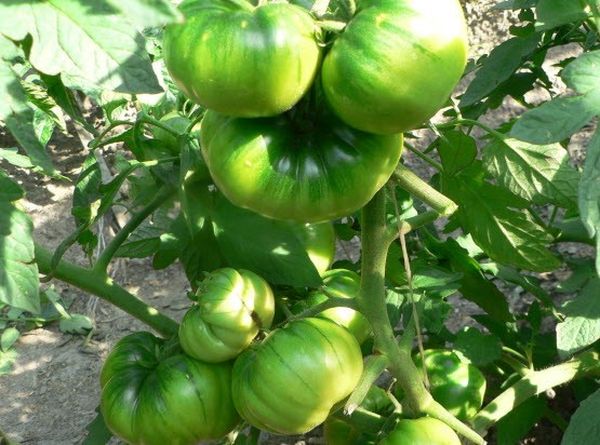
280	170
456	384
289	383
423	431
233	306
342	283
152	397
242	60
319	242
175	122
341	432
396	63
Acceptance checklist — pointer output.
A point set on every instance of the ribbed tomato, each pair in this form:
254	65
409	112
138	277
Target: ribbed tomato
242	60
288	383
284	170
154	396
396	63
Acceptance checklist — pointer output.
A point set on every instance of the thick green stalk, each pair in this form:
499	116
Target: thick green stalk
374	366
414	185
536	382
102	286
371	302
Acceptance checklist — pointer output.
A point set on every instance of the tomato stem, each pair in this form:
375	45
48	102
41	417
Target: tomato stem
371	302
103	287
414	185
534	383
435	164
374	366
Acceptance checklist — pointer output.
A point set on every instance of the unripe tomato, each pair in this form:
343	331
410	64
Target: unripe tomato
242	60
342	283
396	63
319	241
153	397
288	383
233	305
423	431
282	171
456	384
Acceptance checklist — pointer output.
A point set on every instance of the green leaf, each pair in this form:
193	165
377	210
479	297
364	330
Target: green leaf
496	221
67	32
12	156
172	244
457	151
146	238
19	281
581	326
515	425
9	190
584	426
557	119
474	286
266	246
502	62
97	431
589	193
482	349
76	324
8	338
553	13
538	173
583	74
7	359
148	13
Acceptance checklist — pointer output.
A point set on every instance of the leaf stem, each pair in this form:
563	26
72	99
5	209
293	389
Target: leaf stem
410	182
435	164
104	259
374	366
103	287
534	383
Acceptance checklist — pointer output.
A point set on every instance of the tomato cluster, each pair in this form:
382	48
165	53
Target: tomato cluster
301	124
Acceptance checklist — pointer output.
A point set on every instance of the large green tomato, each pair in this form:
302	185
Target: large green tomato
396	63
288	383
233	306
423	431
285	171
151	396
342	283
242	60
456	384
319	242
341	432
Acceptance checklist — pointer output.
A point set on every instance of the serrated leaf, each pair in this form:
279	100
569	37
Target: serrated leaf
502	62
538	173
581	326
557	119
91	44
589	193
19	281
146	238
553	13
481	349
457	151
8	338
584	426
583	74
76	324
148	13
496	221
9	190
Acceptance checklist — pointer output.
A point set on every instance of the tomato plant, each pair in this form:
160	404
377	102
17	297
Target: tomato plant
232	306
271	59
153	395
260	164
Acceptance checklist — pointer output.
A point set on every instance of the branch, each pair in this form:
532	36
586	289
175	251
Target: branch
103	287
374	366
104	259
534	383
414	185
371	302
